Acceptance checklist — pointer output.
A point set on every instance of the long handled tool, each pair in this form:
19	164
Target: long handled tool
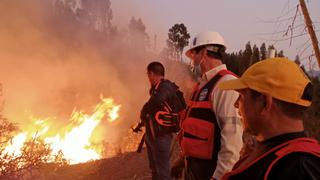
139	149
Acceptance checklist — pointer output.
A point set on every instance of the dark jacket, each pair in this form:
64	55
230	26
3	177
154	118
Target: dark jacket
166	91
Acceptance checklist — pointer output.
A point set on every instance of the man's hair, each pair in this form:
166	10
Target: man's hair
291	110
156	67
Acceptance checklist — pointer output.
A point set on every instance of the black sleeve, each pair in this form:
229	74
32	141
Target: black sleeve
298	166
156	100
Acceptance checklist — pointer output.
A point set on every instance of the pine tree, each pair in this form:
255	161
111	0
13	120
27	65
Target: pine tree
100	13
255	55
138	37
297	60
178	38
245	58
263	51
280	54
232	62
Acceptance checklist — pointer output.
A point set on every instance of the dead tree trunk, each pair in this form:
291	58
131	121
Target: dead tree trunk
312	34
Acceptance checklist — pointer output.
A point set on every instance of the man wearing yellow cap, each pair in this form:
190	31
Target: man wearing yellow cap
274	94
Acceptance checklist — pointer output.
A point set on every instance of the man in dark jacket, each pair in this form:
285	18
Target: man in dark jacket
274	94
160	116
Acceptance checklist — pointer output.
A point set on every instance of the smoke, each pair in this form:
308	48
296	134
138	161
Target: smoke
51	64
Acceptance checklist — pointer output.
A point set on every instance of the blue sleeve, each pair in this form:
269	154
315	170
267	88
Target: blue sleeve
156	100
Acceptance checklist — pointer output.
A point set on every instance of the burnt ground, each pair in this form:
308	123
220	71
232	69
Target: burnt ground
128	166
124	166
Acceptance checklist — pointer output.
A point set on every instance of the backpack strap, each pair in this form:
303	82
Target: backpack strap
222	73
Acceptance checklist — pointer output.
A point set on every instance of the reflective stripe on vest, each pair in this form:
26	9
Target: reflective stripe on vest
305	145
201	133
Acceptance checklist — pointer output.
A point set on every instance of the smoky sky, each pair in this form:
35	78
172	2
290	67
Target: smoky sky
51	64
53	61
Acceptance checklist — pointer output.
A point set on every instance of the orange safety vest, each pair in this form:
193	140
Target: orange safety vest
200	134
305	145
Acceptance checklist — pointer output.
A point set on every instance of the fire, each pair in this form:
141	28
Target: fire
16	144
74	142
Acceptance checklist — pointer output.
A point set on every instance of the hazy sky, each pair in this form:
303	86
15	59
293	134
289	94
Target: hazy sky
239	21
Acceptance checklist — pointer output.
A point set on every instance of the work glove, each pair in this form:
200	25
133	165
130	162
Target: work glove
136	129
177	168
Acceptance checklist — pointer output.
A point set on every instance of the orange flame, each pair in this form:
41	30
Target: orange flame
75	143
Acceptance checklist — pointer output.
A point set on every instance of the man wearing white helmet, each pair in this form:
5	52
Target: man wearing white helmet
211	135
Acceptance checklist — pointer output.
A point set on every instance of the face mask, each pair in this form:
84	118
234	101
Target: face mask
197	70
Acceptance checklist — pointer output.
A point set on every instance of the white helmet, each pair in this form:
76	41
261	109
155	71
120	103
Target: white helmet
205	38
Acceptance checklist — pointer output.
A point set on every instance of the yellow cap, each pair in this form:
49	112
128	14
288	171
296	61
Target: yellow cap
279	77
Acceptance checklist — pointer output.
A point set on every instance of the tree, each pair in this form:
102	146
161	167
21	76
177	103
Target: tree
232	62
138	37
96	14
101	13
263	51
238	62
178	38
255	55
297	60
280	54
245	58
136	26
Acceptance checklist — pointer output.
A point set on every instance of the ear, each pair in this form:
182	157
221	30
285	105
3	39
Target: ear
266	104
192	54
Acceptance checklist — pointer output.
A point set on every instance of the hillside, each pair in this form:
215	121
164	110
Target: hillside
128	166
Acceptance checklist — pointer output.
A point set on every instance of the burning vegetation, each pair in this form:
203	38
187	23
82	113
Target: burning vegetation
74	141
40	143
57	57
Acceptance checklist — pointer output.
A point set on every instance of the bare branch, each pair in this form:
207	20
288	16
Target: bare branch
280	20
290	27
303	45
282	32
303	51
284	39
